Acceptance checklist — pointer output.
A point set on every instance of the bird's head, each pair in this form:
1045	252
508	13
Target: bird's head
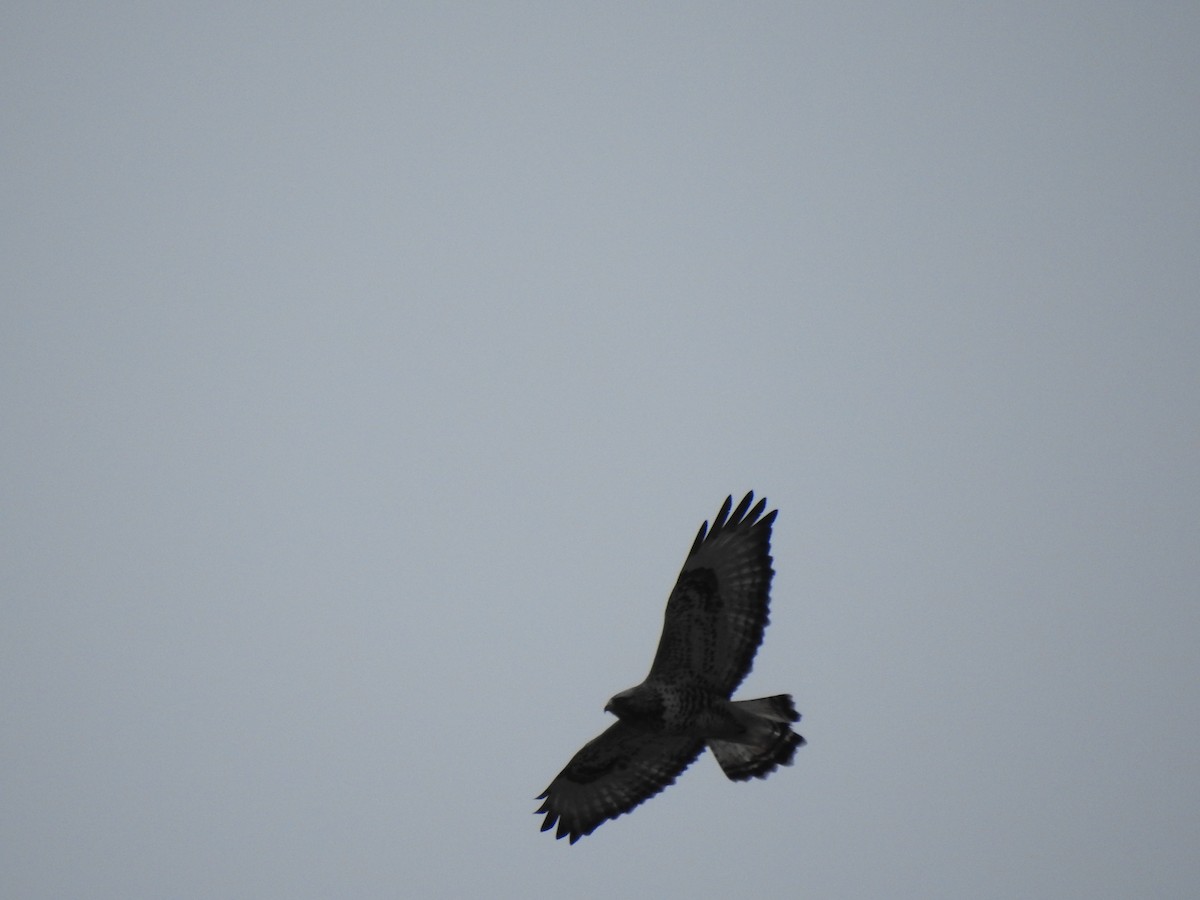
637	706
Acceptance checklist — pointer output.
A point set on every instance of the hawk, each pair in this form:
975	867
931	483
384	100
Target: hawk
714	623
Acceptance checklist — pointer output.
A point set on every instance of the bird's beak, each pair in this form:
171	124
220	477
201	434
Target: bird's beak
608	707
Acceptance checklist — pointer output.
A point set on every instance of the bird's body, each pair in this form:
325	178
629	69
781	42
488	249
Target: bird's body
713	625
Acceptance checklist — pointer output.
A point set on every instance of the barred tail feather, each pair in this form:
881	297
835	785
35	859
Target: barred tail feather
778	708
768	742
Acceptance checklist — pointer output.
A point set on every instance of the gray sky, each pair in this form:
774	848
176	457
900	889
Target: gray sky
367	370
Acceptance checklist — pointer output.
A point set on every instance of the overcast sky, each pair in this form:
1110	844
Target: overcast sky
368	368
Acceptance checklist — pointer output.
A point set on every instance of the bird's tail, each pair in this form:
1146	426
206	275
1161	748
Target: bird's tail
767	742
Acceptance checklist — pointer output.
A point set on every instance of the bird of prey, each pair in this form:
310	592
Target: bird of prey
714	623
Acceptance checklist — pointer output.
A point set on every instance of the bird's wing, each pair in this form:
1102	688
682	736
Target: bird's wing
611	775
718	609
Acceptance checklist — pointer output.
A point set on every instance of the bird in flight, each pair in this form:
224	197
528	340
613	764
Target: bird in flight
713	625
